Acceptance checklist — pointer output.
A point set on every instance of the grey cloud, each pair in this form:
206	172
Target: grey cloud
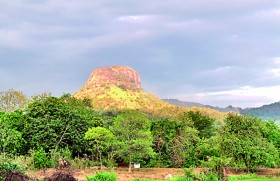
179	47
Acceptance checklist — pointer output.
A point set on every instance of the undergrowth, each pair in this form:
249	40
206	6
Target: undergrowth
102	176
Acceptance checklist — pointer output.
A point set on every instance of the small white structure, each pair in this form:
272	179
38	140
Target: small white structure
136	165
168	176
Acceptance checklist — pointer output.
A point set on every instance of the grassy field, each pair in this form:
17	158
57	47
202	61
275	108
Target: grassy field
252	177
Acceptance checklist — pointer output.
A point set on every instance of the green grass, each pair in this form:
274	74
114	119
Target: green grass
248	177
252	177
102	176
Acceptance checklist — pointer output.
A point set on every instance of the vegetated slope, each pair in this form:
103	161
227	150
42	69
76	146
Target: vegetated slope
119	88
266	112
194	104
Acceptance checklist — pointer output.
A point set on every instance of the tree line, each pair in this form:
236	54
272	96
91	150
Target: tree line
48	124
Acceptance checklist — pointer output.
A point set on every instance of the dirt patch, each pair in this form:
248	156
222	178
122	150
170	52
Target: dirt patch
142	173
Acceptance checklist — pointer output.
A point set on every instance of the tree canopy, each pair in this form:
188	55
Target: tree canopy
12	100
242	140
58	122
134	139
101	138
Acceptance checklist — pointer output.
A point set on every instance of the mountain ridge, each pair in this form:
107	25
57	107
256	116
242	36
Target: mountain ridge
195	104
266	112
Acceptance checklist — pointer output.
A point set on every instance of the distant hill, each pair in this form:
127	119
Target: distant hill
194	104
119	88
265	112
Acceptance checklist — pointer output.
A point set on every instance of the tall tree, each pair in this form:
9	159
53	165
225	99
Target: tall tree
12	100
101	138
242	140
57	123
203	123
174	143
163	132
132	132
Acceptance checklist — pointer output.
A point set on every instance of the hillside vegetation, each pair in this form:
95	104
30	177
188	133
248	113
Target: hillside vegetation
112	122
118	88
114	98
265	112
50	129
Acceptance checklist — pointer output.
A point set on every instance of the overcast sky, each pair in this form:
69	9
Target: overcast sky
217	52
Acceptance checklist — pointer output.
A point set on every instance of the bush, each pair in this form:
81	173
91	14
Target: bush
7	168
191	176
23	161
41	160
102	176
61	176
82	163
56	155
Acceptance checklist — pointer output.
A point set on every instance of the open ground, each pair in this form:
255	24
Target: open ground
142	173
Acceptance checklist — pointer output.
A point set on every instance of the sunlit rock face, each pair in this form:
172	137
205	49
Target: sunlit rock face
115	75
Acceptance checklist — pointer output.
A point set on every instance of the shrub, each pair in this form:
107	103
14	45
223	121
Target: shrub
123	87
56	155
40	159
61	176
82	163
102	176
191	176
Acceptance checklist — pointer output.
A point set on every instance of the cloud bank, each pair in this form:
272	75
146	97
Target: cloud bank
213	52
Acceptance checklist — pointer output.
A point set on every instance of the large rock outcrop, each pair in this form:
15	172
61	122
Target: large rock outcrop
119	88
121	76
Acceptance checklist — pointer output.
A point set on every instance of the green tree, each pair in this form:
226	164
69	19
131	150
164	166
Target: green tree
11	140
132	132
242	140
12	100
184	144
203	123
163	132
207	148
271	132
55	123
101	138
174	142
41	96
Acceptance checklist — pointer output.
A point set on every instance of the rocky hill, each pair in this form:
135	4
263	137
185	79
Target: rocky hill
119	88
119	76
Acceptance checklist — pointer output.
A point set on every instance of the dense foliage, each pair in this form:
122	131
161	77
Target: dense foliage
50	129
53	123
242	140
101	139
174	143
133	136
